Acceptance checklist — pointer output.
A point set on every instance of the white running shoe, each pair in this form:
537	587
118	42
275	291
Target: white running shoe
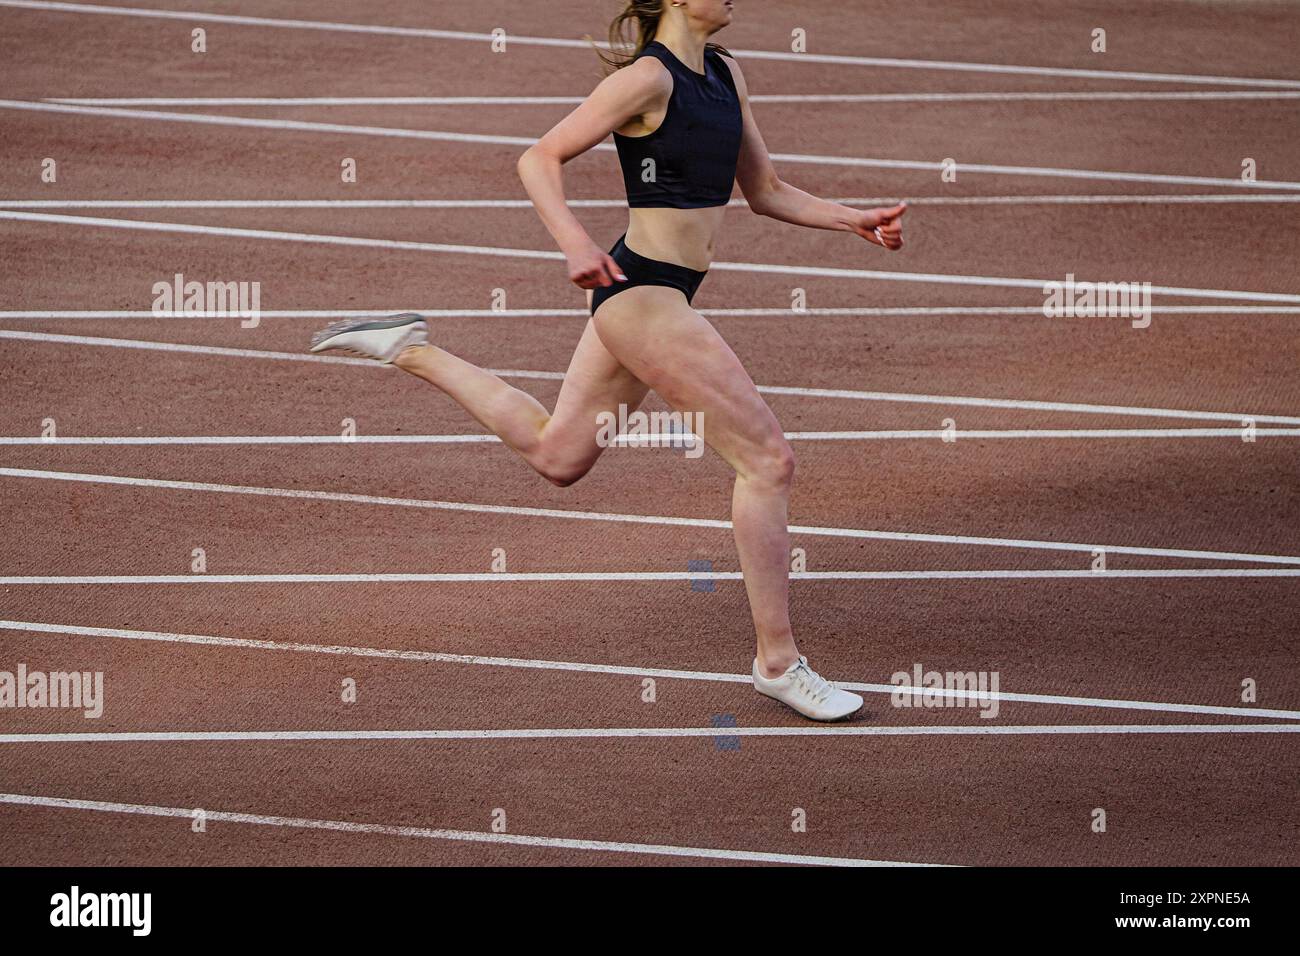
808	692
379	339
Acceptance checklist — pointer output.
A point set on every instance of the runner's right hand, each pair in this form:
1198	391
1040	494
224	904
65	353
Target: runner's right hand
592	268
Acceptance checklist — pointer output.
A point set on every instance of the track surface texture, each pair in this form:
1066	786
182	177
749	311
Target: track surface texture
570	688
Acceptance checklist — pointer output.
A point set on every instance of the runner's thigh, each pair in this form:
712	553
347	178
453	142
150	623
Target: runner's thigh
655	334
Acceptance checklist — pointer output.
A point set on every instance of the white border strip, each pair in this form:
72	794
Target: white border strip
290	125
839	393
201	16
523	512
428	833
545	577
435	657
609	733
765	268
660	440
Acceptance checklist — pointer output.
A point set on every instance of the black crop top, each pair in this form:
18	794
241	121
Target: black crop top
689	162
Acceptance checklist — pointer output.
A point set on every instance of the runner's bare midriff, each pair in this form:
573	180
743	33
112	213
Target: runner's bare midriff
684	237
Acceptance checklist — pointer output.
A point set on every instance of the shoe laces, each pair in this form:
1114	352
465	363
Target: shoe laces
810	683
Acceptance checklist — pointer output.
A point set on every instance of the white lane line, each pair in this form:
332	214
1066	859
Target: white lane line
255	440
431	313
406	100
215	350
787	313
543	577
840	393
996	169
429	833
525	512
253	122
801	98
328	203
199	16
1019	404
658	439
958	434
285	124
1065	199
435	657
997	310
605	733
764	268
1074	199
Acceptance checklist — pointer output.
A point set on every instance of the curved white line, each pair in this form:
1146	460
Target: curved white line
435	657
524	512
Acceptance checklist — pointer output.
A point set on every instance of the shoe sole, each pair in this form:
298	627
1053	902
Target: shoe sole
320	342
820	720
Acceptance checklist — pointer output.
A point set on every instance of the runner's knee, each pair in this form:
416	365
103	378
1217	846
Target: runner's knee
771	462
562	475
558	468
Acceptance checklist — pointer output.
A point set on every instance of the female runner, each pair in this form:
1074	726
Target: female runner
679	111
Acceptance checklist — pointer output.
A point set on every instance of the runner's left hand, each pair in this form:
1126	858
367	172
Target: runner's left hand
883	226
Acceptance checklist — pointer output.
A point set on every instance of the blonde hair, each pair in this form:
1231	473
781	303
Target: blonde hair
632	31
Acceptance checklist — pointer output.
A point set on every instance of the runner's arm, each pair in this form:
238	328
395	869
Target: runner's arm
768	195
620	98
